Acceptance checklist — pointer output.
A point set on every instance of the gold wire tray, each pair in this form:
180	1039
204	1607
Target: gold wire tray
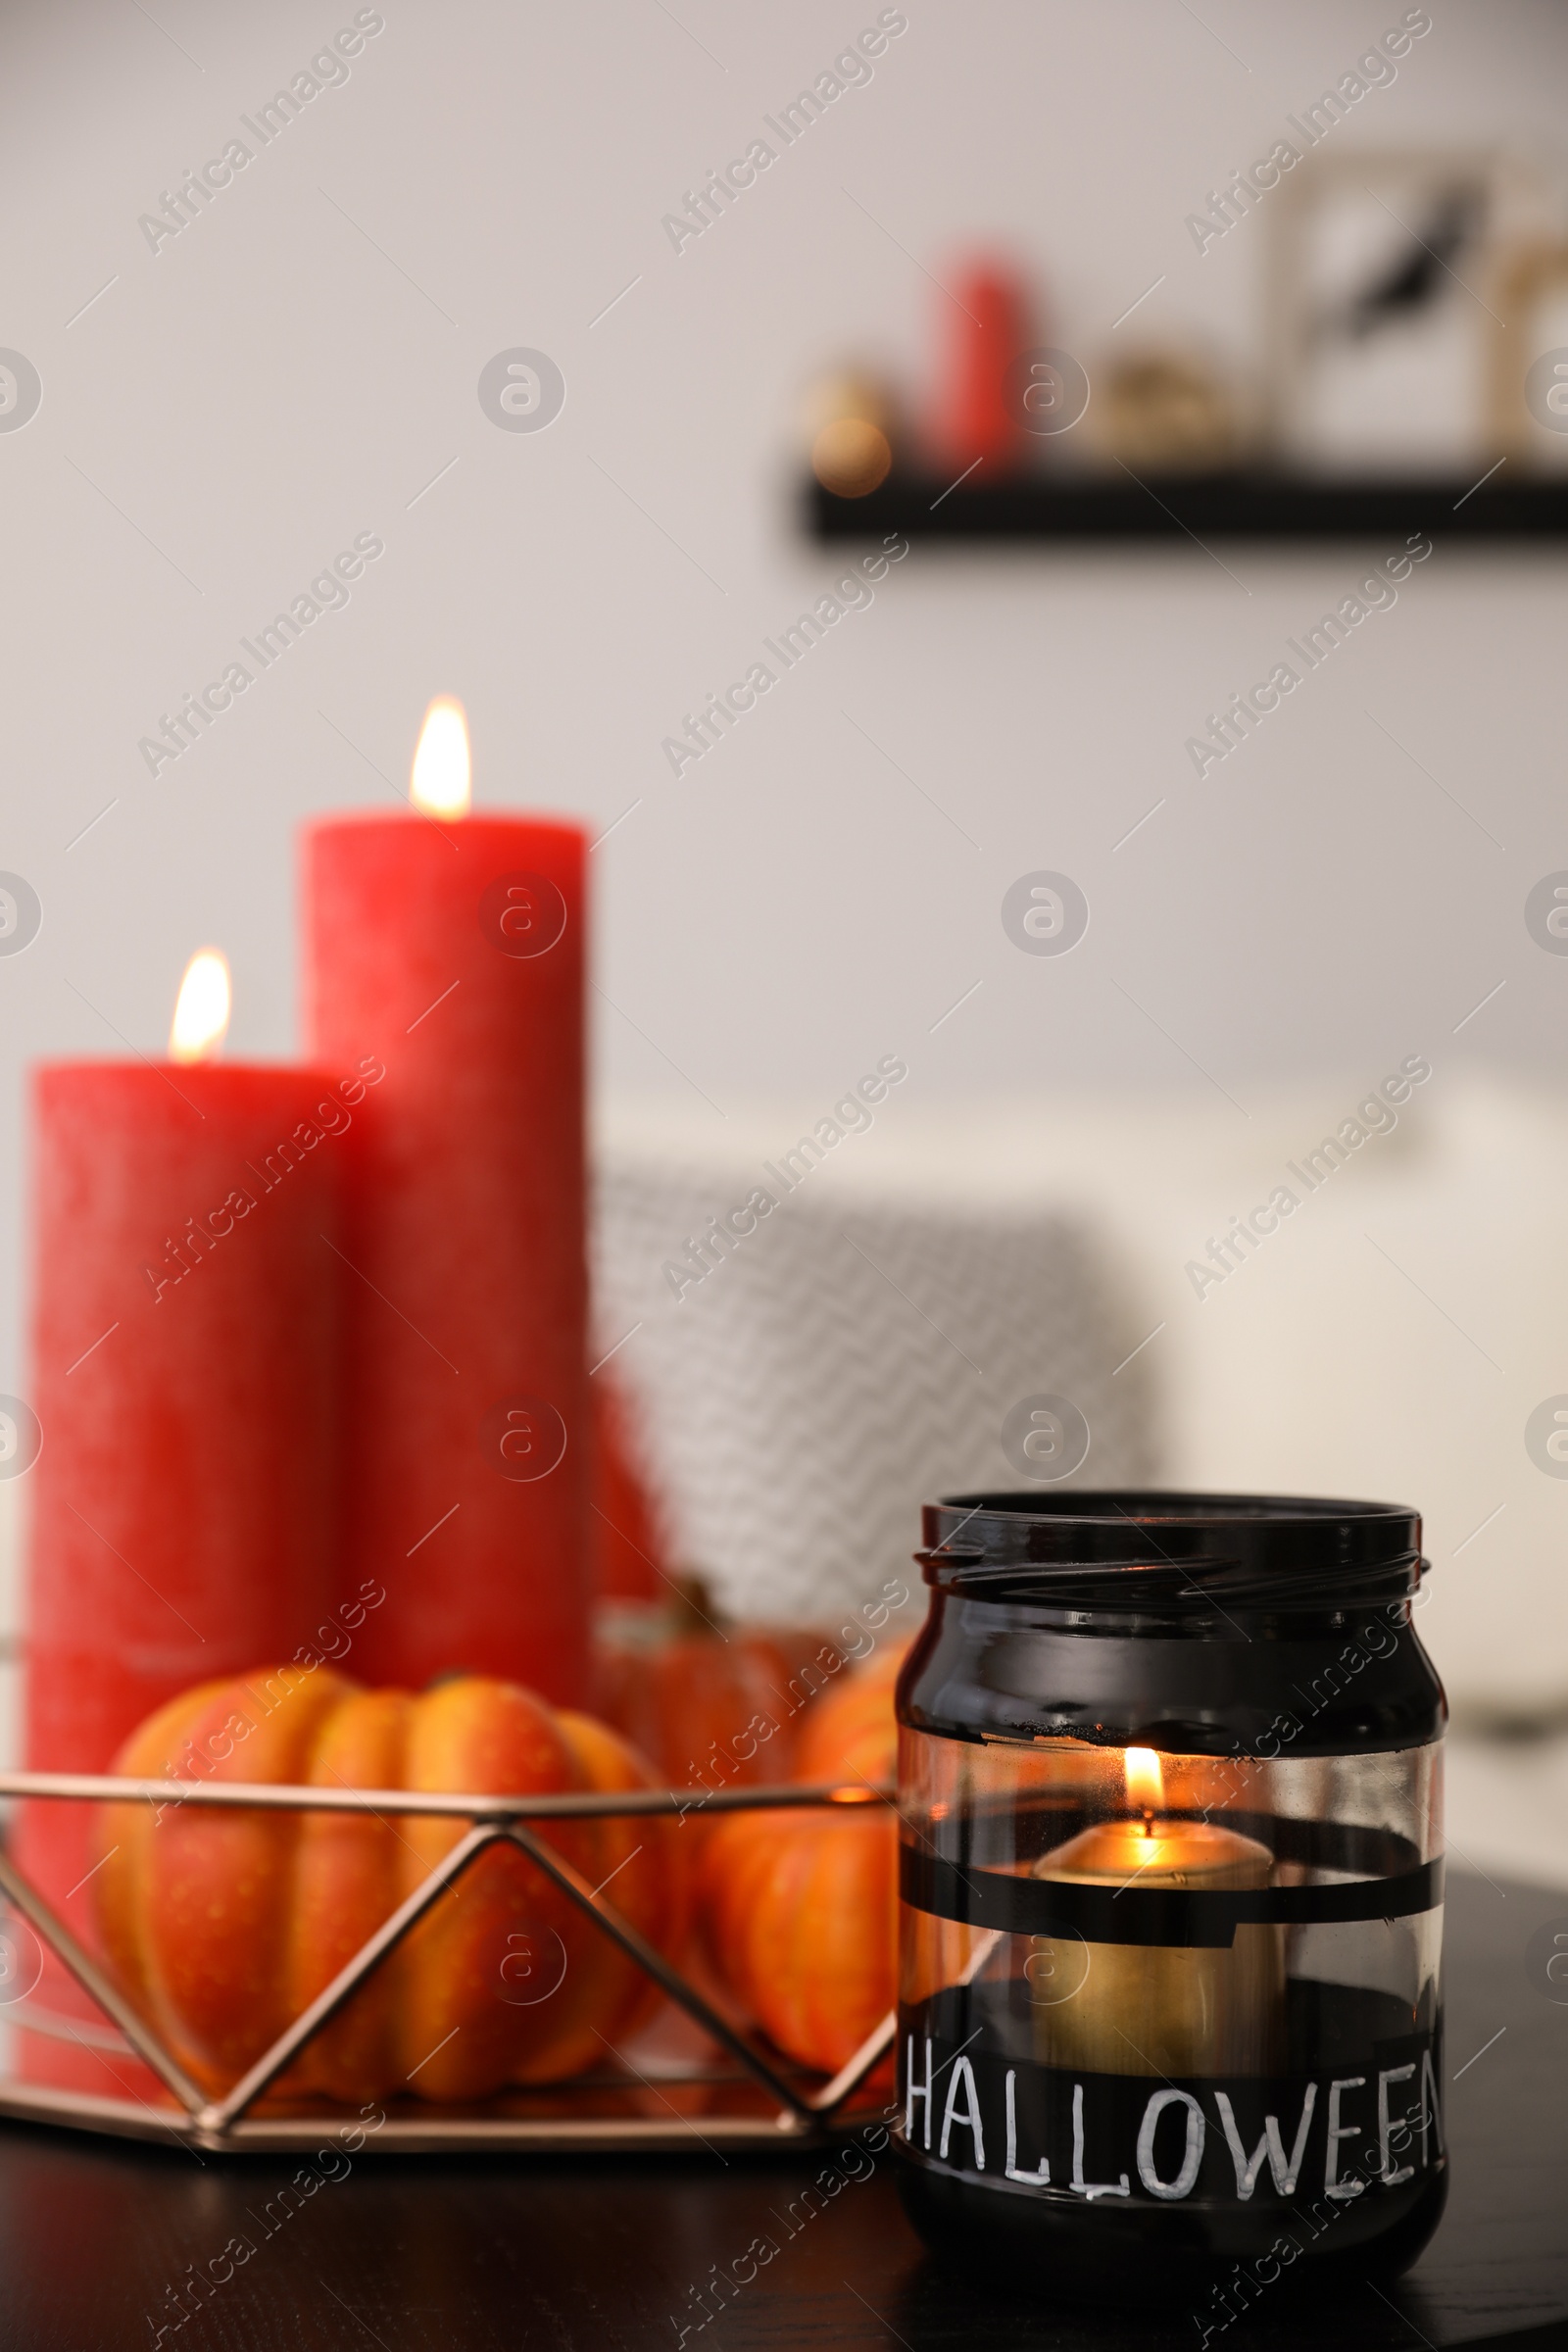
755	2101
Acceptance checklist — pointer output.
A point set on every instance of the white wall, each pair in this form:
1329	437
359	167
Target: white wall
235	407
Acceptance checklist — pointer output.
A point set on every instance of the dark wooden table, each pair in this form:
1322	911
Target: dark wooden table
414	2254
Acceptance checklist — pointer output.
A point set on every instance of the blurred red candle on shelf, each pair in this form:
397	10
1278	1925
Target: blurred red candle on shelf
184	1384
985	328
450	946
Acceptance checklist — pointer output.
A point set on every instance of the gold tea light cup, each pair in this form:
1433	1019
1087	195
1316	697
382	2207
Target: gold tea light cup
1172	2010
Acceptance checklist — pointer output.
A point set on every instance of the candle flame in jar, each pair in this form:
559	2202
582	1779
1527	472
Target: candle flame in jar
440	784
200	1010
1145	1783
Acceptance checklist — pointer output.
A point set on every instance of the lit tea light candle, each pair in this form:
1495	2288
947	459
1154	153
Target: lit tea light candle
1161	2009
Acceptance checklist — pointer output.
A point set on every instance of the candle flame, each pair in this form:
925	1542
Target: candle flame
200	1010
440	783
1145	1783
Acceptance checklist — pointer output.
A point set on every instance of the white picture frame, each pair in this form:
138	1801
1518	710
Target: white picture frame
1382	317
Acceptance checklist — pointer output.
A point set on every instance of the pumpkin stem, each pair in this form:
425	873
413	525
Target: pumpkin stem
694	1608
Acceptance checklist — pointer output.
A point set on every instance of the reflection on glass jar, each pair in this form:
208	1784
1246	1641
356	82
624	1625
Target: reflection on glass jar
1171	1893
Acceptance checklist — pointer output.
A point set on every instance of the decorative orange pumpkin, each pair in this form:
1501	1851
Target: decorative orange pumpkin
800	1909
802	1915
224	1924
606	1997
852	1734
714	1705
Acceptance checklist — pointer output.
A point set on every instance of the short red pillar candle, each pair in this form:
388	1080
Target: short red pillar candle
451	948
184	1379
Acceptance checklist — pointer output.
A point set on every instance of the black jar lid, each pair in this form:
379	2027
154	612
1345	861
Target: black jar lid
1119	1548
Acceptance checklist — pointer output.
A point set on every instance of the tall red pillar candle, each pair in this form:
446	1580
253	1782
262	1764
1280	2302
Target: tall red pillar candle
453	951
184	1383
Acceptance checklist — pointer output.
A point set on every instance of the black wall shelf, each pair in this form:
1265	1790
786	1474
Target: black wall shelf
1078	509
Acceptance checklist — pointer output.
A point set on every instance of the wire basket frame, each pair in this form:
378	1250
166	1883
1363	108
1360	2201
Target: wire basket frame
581	2115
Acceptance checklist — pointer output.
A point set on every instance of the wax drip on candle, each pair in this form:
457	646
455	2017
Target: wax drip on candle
200	1010
440	783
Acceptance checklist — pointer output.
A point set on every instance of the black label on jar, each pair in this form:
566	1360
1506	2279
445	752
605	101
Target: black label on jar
1362	2124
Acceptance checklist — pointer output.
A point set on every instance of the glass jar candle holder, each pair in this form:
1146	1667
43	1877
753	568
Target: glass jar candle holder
1171	1893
